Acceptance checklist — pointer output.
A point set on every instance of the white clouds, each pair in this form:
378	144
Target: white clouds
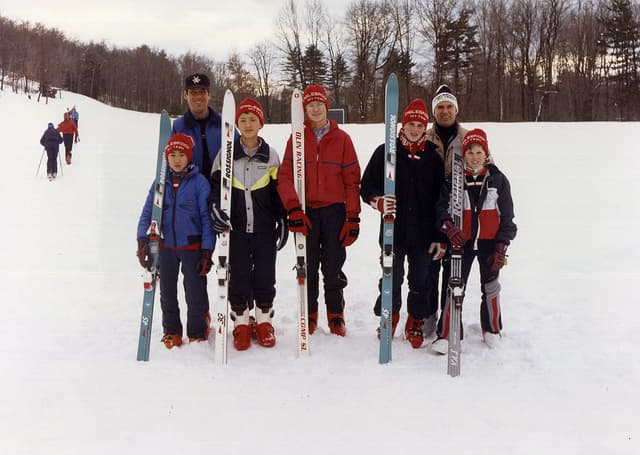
210	29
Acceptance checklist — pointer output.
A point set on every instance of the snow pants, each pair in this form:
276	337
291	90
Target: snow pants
68	144
195	290
52	161
422	300
490	314
252	265
325	252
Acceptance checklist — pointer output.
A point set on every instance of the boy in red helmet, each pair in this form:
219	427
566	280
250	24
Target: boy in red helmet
257	227
187	242
487	230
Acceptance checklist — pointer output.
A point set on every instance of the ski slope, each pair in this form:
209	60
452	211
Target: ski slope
564	380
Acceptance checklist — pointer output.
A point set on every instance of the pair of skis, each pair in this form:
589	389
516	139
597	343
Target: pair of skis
222	269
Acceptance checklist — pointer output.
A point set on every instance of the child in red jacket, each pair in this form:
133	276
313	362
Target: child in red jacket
330	220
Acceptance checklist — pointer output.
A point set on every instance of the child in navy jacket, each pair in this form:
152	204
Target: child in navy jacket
187	242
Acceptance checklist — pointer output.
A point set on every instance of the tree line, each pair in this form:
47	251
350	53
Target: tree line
506	60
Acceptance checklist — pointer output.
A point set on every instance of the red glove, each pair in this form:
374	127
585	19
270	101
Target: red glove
350	230
204	263
385	204
455	235
500	258
298	221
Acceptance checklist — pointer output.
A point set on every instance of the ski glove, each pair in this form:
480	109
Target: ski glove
385	204
438	250
204	263
282	233
350	230
219	219
298	221
145	257
455	235
500	257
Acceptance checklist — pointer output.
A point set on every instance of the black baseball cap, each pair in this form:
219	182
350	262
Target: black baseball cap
197	80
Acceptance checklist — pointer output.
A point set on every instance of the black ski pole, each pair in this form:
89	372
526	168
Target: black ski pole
40	163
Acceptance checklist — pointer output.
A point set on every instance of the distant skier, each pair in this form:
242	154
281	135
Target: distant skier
187	243
332	208
75	116
69	131
51	141
257	227
487	230
419	177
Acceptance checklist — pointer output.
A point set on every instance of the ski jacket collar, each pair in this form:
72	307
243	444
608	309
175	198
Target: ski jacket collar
212	117
261	154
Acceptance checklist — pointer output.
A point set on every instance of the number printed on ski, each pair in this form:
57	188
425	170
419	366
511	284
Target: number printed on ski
391	126
300	241
455	291
222	269
151	276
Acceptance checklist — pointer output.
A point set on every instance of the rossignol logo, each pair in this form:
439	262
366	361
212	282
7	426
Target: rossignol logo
457	183
227	161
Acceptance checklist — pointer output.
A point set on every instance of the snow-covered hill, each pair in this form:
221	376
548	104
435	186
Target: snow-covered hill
563	381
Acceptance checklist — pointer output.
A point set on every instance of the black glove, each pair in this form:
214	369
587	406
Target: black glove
144	253
219	219
282	233
204	263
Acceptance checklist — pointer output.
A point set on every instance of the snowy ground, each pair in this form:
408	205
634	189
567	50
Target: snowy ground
563	381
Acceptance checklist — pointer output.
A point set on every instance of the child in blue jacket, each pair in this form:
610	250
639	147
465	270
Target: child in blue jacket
187	242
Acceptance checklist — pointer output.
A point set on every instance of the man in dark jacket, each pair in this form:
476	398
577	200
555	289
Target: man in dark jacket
51	140
200	122
419	176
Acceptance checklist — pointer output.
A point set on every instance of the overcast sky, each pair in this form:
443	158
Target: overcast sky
212	28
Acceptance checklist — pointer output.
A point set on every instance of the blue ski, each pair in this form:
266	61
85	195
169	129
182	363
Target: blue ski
151	276
391	127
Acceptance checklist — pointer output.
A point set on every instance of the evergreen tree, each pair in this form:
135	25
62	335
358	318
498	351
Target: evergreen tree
622	40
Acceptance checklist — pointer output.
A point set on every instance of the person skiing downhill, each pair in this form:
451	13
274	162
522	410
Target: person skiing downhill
69	131
51	141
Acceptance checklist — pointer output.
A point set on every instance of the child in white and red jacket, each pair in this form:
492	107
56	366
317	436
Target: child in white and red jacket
487	230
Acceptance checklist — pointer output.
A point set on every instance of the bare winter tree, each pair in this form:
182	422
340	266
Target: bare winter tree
289	41
332	40
434	19
263	56
372	36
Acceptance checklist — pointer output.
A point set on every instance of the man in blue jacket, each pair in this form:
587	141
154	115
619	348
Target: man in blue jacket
200	122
